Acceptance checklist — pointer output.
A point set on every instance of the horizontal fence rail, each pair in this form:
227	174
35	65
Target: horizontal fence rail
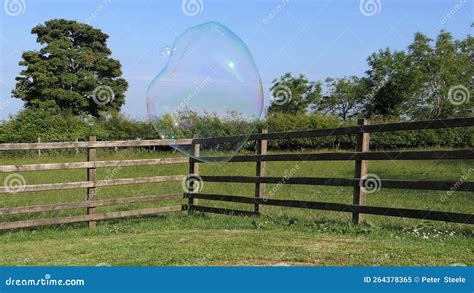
385	183
355	156
87	204
350	130
89	218
89	144
93	164
98	183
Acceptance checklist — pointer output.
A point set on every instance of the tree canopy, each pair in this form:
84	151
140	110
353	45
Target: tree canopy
293	94
430	79
72	71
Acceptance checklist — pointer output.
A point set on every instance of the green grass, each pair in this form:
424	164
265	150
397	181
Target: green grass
282	236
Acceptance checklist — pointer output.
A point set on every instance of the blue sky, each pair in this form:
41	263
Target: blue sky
318	38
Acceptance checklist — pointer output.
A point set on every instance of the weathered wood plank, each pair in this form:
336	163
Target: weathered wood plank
349	156
389	127
360	171
91	177
88	204
384	183
394	212
260	169
140	180
51	186
400	184
85	144
96	164
193	172
87	218
88	184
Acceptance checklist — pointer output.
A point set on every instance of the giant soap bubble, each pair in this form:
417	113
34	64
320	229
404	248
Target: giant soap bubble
209	87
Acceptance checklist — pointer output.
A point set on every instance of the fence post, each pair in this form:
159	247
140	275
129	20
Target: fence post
361	167
77	149
91	176
39	150
193	169
261	169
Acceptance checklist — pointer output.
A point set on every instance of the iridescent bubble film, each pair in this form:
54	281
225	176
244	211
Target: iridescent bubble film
209	87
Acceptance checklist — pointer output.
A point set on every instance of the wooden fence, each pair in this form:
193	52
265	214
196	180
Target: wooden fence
360	156
91	202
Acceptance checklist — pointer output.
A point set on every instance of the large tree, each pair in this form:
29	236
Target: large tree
72	71
293	94
388	80
344	97
442	76
432	79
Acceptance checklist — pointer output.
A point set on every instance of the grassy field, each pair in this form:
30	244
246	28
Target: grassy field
282	236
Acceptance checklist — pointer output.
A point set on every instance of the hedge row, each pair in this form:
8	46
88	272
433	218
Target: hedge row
30	124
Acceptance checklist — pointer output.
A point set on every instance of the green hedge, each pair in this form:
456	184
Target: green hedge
30	124
454	137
